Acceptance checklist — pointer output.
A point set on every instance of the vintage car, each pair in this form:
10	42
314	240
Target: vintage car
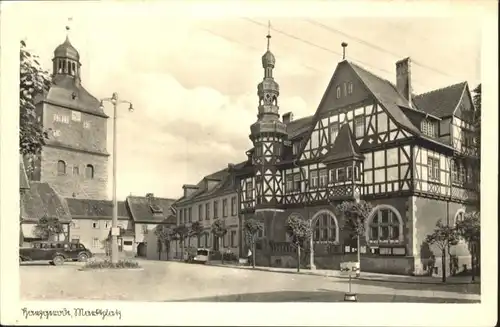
201	256
54	252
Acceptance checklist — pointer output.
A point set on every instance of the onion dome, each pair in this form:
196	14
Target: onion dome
268	59
66	50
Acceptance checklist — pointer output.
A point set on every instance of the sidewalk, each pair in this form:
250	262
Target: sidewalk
455	280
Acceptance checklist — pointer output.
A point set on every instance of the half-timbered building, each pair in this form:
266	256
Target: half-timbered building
411	156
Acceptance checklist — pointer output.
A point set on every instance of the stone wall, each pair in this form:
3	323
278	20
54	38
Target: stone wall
72	181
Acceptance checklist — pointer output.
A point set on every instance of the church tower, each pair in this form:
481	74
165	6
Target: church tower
267	135
74	160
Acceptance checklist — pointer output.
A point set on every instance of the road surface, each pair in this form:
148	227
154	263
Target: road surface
175	281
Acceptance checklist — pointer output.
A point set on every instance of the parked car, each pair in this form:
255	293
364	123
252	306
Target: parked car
54	252
201	256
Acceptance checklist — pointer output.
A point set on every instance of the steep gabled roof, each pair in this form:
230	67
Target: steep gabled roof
441	102
149	209
42	200
387	94
61	93
344	146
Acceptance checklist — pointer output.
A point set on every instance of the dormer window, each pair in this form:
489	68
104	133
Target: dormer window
156	208
428	128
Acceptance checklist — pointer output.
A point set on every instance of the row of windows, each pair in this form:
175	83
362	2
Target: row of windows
185	214
319	178
66	66
459	172
348	89
96	224
384	226
75	116
229	240
61	170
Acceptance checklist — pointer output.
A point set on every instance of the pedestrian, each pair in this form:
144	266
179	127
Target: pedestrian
249	257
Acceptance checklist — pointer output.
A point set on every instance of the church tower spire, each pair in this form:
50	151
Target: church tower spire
66	61
268	134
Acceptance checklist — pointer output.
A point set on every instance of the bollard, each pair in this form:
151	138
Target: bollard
350	296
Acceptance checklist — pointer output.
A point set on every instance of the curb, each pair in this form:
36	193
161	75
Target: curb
346	277
109	269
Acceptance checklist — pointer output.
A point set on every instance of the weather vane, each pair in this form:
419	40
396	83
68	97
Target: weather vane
268	33
70	19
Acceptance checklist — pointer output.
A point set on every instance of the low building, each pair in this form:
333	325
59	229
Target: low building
147	212
91	222
38	201
214	197
92	219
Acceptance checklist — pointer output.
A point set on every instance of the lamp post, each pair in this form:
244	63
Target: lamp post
115	101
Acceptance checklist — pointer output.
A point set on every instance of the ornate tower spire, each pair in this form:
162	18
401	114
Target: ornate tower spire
267	135
66	61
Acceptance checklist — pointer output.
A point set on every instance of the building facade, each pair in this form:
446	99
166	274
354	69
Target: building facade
69	178
214	197
411	156
74	160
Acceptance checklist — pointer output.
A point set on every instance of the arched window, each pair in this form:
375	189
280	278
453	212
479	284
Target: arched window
61	167
385	225
325	227
89	172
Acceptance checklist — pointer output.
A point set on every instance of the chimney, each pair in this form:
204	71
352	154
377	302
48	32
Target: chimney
403	78
149	196
288	117
189	189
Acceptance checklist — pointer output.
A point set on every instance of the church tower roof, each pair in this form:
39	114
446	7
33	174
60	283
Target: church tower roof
66	50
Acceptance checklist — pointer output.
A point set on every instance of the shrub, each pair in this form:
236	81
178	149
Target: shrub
105	264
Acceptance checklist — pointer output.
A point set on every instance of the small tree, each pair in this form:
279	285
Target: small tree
33	81
355	215
469	229
182	232
219	230
164	236
47	227
195	230
251	229
443	237
300	232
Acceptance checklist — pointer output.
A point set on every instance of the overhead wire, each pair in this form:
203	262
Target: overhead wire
376	47
326	49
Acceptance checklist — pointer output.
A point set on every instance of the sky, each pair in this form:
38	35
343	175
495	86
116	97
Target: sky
193	77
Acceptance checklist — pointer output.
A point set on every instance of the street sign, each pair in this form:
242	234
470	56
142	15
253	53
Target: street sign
115	231
349	268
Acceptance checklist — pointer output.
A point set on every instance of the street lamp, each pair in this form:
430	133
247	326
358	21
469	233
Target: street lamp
115	101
